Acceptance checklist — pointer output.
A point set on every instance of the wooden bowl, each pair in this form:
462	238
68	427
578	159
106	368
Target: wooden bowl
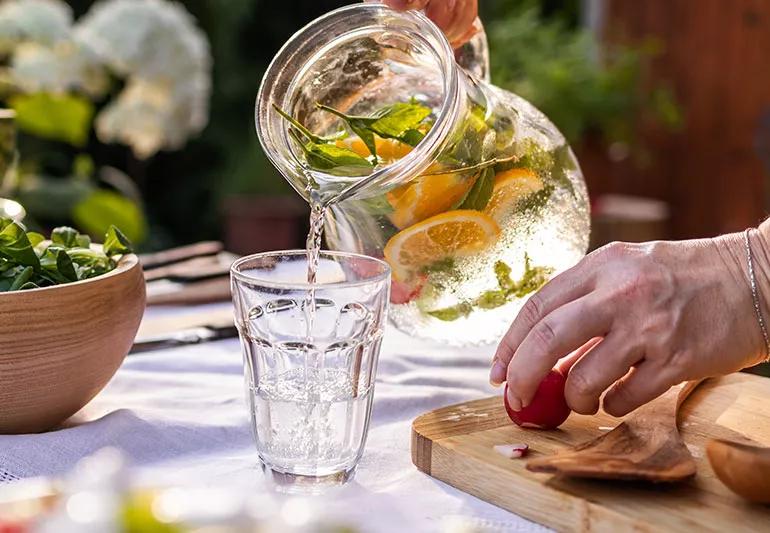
59	346
743	468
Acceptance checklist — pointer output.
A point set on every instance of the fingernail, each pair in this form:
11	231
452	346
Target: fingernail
513	402
497	373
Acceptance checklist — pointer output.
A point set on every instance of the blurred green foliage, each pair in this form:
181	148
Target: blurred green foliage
543	54
59	117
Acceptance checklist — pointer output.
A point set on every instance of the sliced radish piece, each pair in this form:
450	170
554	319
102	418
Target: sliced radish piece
512	451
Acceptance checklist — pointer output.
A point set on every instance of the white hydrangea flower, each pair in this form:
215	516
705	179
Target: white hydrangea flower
154	44
64	67
42	21
157	45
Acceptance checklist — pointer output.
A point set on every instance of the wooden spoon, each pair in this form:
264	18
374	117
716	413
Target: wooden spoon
645	446
744	469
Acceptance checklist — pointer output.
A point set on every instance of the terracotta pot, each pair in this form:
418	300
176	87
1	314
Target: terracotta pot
264	223
59	346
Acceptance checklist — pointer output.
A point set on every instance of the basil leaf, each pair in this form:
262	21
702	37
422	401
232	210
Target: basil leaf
65	267
83	241
15	245
115	243
35	238
65	236
398	119
22	278
478	196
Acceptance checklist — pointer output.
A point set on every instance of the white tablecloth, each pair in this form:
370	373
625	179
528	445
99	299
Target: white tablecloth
181	418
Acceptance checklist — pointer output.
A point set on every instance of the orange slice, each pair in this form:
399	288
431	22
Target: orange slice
388	150
452	234
426	196
509	188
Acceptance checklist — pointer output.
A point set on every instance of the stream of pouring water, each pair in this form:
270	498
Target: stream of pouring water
313	244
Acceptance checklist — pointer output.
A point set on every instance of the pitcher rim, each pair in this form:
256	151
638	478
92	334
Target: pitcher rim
413	163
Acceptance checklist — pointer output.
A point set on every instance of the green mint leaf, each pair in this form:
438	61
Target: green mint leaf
15	245
412	137
22	278
65	236
115	243
478	196
445	265
503	274
359	125
449	314
554	165
336	160
533	278
399	118
312	137
491	299
65	267
562	164
333	159
377	205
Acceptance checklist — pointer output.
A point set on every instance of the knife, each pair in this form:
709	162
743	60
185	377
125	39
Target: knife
184	337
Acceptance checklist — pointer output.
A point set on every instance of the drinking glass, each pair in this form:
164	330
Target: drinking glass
310	357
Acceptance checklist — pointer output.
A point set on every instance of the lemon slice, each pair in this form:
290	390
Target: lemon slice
452	234
426	196
509	188
388	150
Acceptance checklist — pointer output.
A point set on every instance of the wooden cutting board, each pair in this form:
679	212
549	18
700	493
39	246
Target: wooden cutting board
454	444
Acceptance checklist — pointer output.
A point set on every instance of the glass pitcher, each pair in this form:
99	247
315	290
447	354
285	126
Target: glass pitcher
473	214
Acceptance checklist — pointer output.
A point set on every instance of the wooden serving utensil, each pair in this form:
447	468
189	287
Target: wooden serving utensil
646	446
743	468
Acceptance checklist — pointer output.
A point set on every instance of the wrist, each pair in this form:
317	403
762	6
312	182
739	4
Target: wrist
760	247
732	250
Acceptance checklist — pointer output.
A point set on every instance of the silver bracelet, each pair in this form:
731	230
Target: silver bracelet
755	295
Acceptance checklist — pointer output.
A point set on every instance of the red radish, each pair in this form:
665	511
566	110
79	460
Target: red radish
512	451
403	293
548	409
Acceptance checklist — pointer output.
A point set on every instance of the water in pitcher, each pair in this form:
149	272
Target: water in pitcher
472	195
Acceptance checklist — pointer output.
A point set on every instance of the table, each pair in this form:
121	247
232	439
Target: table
181	418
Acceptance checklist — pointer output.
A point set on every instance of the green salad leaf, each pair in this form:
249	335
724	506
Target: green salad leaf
29	261
115	243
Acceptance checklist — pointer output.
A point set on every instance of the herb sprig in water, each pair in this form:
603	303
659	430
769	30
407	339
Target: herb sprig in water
403	122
